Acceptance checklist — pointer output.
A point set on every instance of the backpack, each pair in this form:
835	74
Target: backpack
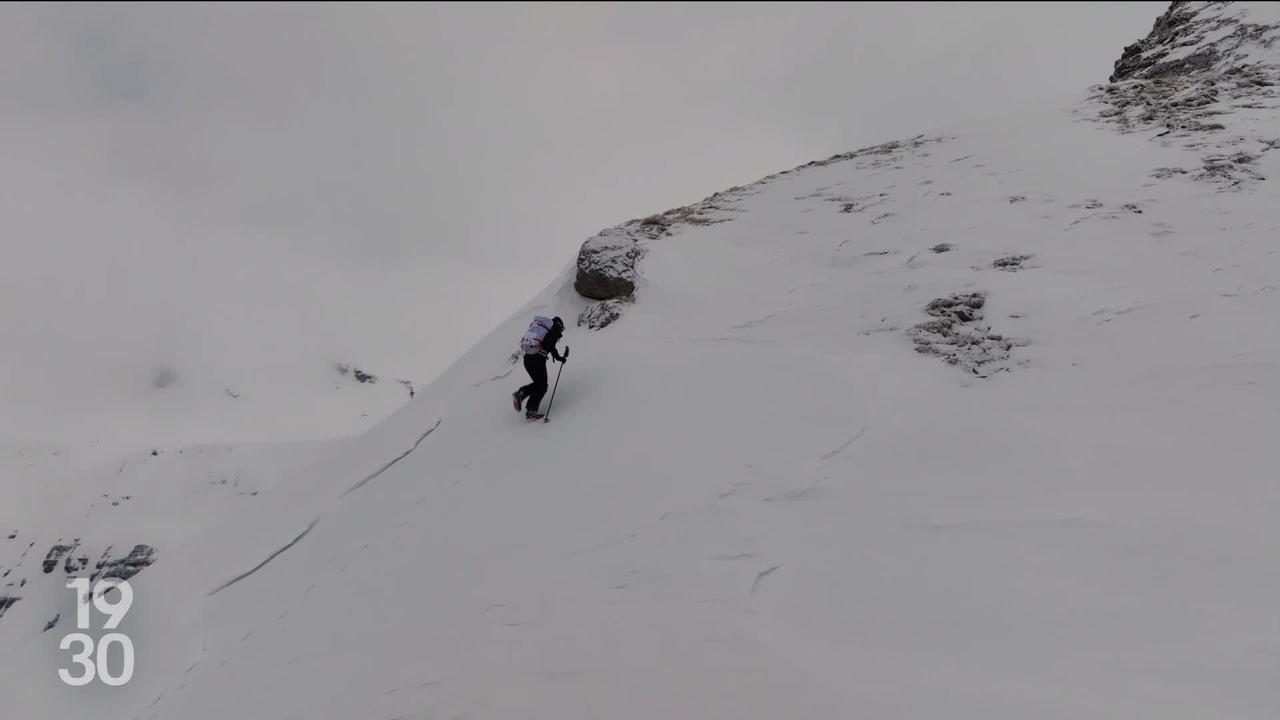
531	343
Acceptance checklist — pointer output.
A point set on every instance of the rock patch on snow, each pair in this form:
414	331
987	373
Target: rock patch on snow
55	555
958	336
1010	263
600	315
359	375
365	378
140	557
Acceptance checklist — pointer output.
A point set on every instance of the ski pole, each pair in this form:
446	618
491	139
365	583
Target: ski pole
553	388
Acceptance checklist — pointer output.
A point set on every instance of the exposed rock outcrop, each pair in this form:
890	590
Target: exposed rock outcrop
607	264
958	336
1199	71
1148	57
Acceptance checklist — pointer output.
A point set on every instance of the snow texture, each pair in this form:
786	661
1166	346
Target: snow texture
757	499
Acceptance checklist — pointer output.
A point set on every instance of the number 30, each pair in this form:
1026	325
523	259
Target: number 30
99	669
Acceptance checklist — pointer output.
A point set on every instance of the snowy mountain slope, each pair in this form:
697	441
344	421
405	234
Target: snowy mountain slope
45	436
787	479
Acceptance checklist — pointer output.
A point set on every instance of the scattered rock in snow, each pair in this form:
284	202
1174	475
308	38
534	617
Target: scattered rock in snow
960	308
957	335
942	247
142	556
1016	198
6	602
55	555
52	623
1010	262
360	375
859	204
602	314
1164	173
1230	170
876	156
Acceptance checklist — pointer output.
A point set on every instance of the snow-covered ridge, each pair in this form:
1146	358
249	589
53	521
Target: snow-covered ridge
608	263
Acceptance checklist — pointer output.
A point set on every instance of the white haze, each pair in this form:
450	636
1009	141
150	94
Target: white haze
183	185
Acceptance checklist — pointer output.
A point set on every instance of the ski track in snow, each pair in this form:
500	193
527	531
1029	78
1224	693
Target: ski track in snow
760	576
395	460
263	564
857	436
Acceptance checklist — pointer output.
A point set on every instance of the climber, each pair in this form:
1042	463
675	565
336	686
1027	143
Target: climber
538	342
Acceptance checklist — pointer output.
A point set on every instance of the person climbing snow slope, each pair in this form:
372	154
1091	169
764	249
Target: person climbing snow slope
538	342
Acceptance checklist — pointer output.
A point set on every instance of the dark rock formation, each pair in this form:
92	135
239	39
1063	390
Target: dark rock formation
957	335
1145	57
55	555
1201	64
607	265
140	557
1010	262
360	375
959	308
600	315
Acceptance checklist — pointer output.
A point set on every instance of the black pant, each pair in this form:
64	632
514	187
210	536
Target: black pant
536	366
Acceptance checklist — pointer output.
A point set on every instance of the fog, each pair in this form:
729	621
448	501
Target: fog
248	189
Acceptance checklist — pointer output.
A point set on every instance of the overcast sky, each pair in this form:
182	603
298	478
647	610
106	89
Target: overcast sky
206	183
